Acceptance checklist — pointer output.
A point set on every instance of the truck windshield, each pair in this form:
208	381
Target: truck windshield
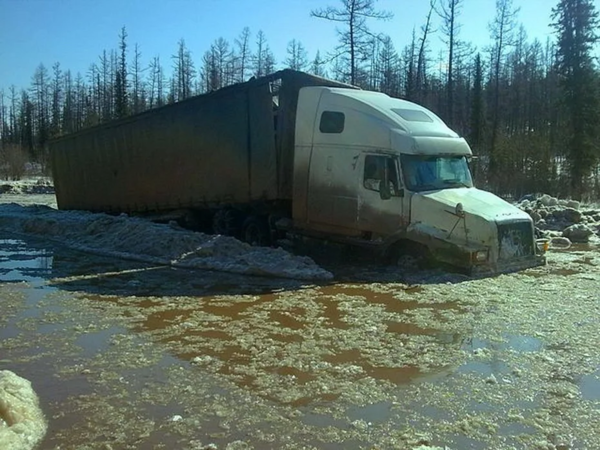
426	172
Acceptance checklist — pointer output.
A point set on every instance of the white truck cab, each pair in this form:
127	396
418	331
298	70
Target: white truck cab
384	172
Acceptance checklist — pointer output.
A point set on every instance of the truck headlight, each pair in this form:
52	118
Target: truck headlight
480	256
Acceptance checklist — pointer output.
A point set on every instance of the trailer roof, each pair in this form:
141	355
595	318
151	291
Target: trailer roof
287	77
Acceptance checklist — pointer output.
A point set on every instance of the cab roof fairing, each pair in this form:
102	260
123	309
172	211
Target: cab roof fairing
429	145
383	103
406	136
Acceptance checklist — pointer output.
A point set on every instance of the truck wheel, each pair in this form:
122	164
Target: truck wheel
255	232
226	222
409	255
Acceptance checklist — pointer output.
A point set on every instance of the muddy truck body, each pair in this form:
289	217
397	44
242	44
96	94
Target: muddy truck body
293	155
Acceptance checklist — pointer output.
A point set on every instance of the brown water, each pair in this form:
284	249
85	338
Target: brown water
132	356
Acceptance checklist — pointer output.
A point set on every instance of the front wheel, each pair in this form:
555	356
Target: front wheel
255	232
409	255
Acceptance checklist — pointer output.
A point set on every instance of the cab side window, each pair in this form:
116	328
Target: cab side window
332	122
376	167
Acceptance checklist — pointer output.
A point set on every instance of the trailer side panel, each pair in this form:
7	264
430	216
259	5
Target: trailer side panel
206	150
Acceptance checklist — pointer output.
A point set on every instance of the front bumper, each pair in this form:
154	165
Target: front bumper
510	265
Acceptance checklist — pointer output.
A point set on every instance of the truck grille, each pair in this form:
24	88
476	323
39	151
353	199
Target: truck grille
515	239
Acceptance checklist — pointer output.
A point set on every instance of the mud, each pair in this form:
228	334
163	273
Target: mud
130	355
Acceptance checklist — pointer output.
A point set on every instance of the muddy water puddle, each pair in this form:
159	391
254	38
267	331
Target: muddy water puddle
136	356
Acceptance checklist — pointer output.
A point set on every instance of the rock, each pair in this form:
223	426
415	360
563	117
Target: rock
524	204
590	212
535	216
547	200
578	233
527	197
572	215
491	379
560	242
539	233
573	204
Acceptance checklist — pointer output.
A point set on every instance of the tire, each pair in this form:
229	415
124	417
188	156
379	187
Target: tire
409	256
255	231
226	222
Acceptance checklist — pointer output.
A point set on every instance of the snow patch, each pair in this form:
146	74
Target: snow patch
138	239
22	423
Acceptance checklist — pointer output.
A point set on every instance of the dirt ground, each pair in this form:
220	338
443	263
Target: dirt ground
126	355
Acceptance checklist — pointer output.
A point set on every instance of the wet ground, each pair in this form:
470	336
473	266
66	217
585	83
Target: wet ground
129	355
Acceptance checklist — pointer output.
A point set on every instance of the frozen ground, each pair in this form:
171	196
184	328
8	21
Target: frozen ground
138	239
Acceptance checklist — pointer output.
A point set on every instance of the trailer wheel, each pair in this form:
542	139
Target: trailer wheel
255	232
226	222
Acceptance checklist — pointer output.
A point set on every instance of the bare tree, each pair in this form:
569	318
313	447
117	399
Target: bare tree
106	83
40	89
244	54
121	84
317	67
502	32
355	37
4	129
156	85
184	72
297	56
57	100
421	65
389	69
264	60
408	55
68	112
138	95
448	12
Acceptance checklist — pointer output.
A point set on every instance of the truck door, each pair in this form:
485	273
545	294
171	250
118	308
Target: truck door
332	197
380	216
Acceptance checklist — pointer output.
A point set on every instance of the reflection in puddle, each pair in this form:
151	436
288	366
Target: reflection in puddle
96	341
20	262
374	413
590	386
484	369
515	342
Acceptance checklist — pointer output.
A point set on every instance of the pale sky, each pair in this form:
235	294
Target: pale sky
75	32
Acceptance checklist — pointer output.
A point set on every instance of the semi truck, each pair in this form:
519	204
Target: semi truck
292	155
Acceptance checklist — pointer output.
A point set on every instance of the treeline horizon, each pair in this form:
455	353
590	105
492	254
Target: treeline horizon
530	110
